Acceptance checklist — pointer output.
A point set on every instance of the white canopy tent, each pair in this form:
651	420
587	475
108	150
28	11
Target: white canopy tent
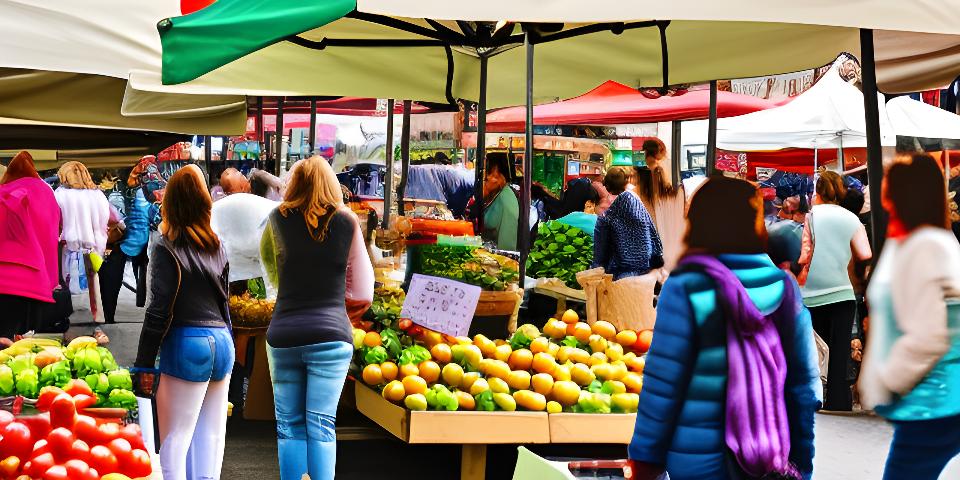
831	115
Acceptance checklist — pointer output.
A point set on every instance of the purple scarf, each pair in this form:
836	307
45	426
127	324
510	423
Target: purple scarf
757	429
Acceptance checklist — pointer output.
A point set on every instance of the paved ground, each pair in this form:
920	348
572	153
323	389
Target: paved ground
851	448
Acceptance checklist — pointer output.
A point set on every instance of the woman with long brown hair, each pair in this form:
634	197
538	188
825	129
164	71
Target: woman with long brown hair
314	253
188	322
911	372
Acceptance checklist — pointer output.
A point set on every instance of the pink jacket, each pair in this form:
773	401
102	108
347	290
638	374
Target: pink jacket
29	232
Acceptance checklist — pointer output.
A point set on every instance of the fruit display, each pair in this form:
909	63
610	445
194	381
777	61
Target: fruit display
560	251
471	265
386	306
32	364
60	443
568	367
249	311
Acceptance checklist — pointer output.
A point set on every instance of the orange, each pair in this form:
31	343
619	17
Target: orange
582	332
552	349
452	374
582	375
486	346
429	371
597	343
389	370
372	375
562	372
394	391
539	344
408	370
614	351
371	339
544	363
496	369
598	358
519	380
441	353
521	359
563	354
542	383
555	329
636	364
465	400
566	393
530	400
633	382
503	352
579	355
627	338
604	329
414	384
644	339
570	317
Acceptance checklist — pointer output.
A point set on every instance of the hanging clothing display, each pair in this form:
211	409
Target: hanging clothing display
364	179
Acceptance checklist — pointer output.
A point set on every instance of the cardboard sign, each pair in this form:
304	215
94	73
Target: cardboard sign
443	305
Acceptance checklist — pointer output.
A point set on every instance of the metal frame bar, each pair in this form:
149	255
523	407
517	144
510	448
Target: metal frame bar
313	126
871	108
388	181
278	141
523	242
207	153
404	156
711	168
479	165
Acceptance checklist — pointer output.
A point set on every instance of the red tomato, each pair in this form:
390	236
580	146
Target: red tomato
39	448
17	441
56	472
107	432
80	451
61	443
5	418
78	387
9	467
39	425
139	465
85	428
132	434
47	394
39	465
84	401
63	412
122	450
92	474
102	459
77	469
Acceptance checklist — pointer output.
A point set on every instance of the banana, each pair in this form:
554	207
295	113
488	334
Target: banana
82	342
27	345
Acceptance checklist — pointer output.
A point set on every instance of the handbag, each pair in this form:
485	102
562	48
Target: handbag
805	270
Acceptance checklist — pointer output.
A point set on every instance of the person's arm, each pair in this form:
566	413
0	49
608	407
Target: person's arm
360	277
803	390
601	243
860	244
806	243
922	274
164	285
268	255
670	363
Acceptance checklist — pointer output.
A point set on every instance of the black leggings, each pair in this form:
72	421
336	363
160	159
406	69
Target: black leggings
111	280
834	324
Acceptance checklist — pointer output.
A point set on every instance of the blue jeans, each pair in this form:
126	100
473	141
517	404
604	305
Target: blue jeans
922	448
197	354
307	382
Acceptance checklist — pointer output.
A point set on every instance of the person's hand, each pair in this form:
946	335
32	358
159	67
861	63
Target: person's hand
5	342
145	382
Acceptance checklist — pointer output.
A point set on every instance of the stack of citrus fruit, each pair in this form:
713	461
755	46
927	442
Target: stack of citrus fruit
570	366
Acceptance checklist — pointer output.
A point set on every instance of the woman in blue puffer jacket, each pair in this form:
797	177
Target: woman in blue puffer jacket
731	384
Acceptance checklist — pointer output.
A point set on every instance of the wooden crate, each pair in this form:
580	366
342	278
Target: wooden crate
592	427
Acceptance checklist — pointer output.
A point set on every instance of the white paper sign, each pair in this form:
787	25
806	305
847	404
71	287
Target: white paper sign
446	306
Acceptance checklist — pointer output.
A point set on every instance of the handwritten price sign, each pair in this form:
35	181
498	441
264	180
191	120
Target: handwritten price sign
443	305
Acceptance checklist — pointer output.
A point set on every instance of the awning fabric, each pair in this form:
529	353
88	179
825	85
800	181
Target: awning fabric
613	103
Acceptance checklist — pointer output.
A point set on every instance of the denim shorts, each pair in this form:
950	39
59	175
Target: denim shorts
197	354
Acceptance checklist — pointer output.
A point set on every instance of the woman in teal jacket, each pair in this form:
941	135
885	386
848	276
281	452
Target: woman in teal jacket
685	424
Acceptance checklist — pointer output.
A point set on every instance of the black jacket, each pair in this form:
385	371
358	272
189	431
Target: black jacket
188	288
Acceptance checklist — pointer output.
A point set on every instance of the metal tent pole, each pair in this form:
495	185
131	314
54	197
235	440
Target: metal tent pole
404	156
313	127
878	218
279	137
388	181
523	242
479	166
712	131
259	119
207	153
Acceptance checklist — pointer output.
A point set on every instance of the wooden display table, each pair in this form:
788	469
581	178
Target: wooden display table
475	430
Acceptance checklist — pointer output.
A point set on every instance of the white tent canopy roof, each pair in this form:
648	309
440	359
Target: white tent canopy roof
830	115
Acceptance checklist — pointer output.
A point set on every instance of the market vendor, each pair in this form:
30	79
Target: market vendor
626	242
580	204
501	210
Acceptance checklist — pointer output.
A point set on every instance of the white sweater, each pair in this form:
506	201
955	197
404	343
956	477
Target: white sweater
85	215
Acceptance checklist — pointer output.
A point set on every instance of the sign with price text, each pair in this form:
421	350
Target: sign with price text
443	305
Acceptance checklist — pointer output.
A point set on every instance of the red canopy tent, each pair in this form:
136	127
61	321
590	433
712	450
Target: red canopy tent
613	103
796	160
